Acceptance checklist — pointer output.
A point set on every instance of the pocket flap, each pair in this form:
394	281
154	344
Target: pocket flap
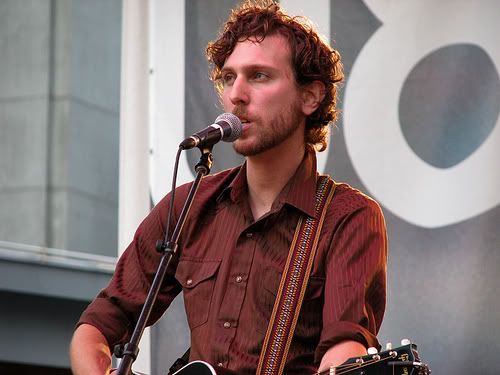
315	287
190	272
271	280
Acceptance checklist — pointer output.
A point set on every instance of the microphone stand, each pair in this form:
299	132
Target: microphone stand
129	351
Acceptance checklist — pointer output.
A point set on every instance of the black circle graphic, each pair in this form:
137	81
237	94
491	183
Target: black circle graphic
449	104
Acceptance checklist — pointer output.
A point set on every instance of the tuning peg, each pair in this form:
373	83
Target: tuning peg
372	350
388	346
405	342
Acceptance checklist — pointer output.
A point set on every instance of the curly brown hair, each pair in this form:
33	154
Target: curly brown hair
312	58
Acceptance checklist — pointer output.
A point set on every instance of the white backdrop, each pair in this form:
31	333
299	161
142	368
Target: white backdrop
419	132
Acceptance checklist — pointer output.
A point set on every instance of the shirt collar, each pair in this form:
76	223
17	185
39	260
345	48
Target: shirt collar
299	192
237	187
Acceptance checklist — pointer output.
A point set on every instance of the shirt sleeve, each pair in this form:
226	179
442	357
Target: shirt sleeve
355	287
116	308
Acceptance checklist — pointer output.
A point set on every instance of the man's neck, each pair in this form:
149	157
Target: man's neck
269	172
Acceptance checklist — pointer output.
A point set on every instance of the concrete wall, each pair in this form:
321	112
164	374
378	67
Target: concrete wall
24	129
37	329
59	137
59	117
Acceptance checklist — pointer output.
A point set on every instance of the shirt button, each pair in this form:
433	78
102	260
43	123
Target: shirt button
249	234
227	325
239	279
189	282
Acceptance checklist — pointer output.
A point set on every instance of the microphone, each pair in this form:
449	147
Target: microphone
227	128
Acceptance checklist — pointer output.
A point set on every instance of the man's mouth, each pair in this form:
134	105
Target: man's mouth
240	113
245	126
244	120
242	116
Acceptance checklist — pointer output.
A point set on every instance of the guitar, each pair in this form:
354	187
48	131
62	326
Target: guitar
400	361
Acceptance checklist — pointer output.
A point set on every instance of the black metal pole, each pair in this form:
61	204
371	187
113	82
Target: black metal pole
129	351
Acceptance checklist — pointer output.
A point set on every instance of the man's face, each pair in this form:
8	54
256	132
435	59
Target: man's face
260	88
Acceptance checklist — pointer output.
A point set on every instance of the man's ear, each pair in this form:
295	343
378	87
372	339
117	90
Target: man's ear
312	95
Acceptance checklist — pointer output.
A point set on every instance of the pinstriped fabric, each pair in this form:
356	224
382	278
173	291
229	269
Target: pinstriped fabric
293	283
230	266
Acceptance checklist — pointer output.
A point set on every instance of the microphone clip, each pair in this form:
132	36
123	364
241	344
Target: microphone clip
206	160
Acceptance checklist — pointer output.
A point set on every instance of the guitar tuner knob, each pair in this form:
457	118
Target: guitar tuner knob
388	346
372	350
405	342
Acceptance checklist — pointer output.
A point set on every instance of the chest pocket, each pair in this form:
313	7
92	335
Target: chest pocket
271	280
197	278
312	305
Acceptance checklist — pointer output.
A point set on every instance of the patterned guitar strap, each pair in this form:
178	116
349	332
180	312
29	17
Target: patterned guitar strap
293	283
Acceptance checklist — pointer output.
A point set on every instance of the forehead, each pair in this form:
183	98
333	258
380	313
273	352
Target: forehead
272	51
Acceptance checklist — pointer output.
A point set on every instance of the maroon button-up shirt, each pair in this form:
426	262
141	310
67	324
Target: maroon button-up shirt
229	268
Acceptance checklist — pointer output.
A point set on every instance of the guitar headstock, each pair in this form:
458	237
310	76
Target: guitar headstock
403	360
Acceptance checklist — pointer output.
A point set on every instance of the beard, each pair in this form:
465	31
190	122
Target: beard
271	133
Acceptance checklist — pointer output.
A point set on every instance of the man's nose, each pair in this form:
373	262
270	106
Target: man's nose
239	91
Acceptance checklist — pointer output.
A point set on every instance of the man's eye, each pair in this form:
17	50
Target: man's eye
227	79
260	76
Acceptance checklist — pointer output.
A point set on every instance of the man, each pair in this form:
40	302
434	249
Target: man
280	78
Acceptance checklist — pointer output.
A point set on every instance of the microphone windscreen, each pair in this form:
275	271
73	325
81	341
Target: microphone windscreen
234	124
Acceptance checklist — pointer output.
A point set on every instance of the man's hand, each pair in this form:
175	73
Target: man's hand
340	353
89	352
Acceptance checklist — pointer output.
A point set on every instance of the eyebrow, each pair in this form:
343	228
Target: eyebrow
251	67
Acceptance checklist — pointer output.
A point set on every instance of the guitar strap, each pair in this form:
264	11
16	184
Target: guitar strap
293	283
